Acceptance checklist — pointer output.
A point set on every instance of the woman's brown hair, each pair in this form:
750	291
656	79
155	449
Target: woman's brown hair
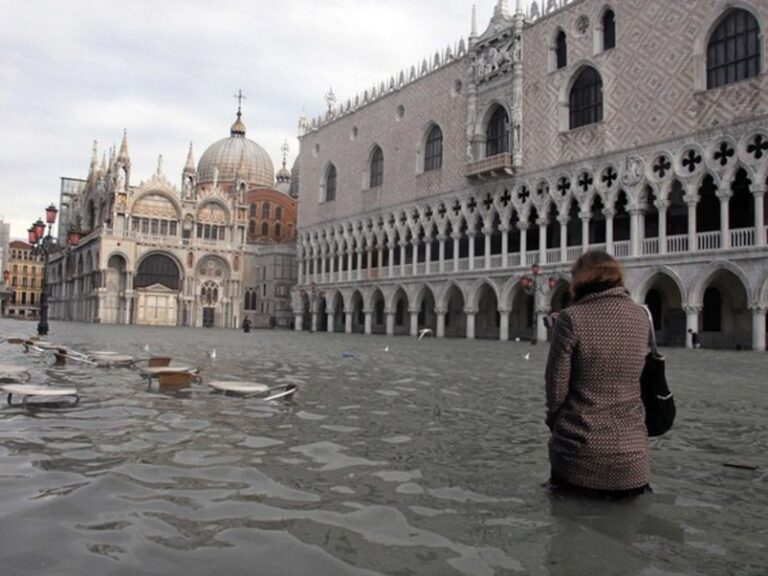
594	272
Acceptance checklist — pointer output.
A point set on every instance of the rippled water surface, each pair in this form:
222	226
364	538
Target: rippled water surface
428	458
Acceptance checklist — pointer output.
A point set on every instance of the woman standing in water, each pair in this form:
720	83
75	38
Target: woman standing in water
599	442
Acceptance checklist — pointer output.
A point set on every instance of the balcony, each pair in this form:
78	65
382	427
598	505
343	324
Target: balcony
492	167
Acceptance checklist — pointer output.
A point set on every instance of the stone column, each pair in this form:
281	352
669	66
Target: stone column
403	245
314	321
541	329
348	321
471	235
456	236
349	264
505	247
368	322
470	323
692	323
441	255
758	328
759	216
298	322
414	321
487	247
428	254
301	272
523	243
391	260
323	257
380	260
542	240
504	324
440	313
390	317
725	224
563	238
415	256
359	263
332	271
340	271
330	315
662	208
634	231
609	214
585	218
369	266
693	244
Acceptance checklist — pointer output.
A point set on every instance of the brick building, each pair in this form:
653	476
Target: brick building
636	127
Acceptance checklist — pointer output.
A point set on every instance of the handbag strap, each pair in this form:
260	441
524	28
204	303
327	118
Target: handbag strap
652	337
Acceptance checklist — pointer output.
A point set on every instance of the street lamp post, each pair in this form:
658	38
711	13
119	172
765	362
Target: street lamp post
44	244
532	285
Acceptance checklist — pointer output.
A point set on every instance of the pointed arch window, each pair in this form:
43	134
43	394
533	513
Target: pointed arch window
278	213
609	30
253	211
586	99
561	50
265	228
377	168
433	152
277	231
265	210
733	51
497	137
330	184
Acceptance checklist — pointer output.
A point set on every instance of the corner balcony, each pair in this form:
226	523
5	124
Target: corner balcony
492	167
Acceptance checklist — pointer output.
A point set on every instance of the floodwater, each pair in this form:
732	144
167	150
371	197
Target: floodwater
426	458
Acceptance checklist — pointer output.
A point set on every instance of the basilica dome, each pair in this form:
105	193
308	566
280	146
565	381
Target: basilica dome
236	157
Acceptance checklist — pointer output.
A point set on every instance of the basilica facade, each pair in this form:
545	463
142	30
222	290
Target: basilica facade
455	195
219	247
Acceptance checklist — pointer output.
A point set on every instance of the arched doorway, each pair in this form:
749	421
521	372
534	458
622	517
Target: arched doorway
665	302
214	308
114	308
521	315
157	284
402	317
487	321
379	320
338	313
358	316
725	320
455	317
427	316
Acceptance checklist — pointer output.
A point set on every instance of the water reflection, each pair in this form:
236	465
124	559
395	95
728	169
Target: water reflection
426	459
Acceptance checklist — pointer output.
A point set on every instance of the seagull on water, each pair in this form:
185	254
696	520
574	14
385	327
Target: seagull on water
213	354
146	347
527	356
425	332
386	348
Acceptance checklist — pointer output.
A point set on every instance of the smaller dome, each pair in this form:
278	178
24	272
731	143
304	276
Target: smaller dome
283	175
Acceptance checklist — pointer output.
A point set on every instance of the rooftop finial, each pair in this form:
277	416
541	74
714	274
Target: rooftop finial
190	166
123	154
285	149
473	31
330	99
502	9
238	128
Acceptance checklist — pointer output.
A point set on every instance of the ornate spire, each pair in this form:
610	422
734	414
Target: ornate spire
189	167
160	165
123	155
502	9
95	156
473	31
238	128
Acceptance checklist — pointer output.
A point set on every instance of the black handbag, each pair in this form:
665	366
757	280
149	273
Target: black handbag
658	400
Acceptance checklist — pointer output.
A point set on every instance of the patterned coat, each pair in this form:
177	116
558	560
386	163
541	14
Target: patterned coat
594	409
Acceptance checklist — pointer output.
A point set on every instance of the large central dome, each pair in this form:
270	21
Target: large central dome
235	157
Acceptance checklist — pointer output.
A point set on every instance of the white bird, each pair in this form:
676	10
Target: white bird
386	349
517	339
527	356
213	354
425	332
146	347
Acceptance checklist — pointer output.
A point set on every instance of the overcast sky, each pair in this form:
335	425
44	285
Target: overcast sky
76	71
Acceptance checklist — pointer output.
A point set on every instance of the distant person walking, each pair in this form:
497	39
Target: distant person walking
599	442
246	324
695	342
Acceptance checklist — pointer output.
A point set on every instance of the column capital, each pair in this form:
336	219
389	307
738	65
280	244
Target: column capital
441	237
522	226
759	190
367	311
414	310
440	311
504	310
693	309
470	311
456	235
757	309
389	311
